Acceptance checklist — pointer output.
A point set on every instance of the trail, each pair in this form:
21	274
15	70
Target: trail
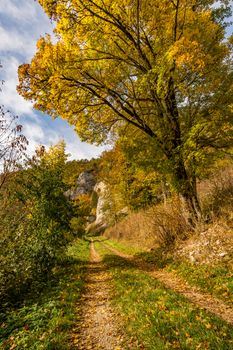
193	294
97	328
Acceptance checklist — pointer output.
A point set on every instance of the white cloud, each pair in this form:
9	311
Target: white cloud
20	10
35	135
22	22
78	149
39	135
9	96
16	42
10	40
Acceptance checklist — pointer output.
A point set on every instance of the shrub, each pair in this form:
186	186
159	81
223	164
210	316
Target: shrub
35	223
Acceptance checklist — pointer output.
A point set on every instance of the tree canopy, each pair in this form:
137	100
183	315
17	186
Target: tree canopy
163	67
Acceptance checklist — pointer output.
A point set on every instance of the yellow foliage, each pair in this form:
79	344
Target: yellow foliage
161	66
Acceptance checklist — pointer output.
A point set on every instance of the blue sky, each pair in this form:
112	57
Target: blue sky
22	22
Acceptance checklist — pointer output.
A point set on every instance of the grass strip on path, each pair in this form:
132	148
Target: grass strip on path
123	247
44	321
158	317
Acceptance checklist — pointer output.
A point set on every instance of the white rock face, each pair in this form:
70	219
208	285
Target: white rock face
101	209
104	206
85	184
101	221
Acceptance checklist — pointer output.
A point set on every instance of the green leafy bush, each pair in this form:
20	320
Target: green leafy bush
35	222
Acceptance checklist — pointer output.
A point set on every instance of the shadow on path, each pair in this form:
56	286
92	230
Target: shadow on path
98	324
171	281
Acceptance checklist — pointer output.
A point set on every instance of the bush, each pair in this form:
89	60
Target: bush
34	223
168	221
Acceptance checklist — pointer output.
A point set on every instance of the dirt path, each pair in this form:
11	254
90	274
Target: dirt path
97	327
201	299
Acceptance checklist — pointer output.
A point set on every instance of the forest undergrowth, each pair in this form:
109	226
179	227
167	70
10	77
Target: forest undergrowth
45	320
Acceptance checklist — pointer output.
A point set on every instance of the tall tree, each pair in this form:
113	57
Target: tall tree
161	66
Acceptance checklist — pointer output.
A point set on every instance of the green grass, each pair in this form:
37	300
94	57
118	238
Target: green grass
45	320
96	238
215	279
123	247
160	318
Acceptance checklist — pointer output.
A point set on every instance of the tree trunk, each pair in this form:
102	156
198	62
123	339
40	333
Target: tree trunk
186	187
191	209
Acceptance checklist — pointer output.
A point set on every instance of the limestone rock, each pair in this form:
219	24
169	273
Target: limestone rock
101	190
102	209
85	184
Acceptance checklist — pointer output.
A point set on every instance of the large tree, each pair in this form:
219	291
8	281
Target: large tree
161	66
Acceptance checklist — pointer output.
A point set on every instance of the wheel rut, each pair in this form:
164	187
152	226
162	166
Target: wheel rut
97	327
193	294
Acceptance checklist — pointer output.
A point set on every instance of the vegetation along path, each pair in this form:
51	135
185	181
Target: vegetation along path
203	300
97	328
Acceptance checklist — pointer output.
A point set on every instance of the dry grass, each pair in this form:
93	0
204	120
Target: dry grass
168	221
135	229
162	223
165	223
216	196
212	242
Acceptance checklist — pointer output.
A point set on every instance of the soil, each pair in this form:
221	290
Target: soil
98	324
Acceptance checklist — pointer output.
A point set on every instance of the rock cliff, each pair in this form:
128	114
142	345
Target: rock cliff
102	206
84	185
